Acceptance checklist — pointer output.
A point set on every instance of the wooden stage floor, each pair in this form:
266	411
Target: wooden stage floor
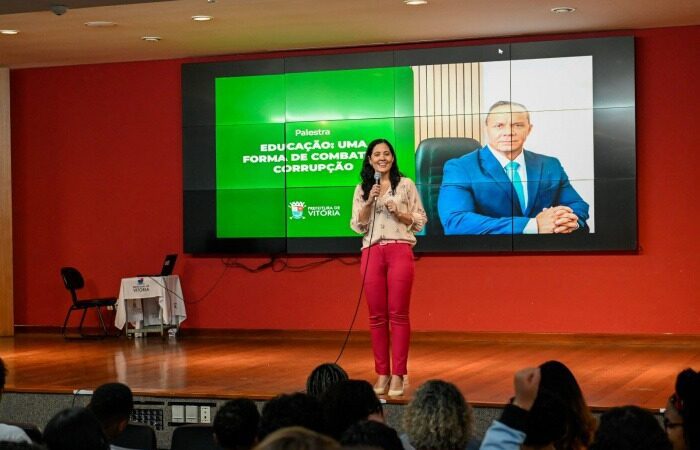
612	370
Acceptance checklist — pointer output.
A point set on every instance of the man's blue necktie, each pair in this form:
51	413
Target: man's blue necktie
512	171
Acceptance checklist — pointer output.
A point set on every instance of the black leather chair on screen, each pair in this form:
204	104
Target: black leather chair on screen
73	280
431	156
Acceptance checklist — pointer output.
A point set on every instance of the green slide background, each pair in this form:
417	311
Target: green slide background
310	119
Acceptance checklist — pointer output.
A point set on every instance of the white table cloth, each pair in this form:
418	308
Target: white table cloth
150	300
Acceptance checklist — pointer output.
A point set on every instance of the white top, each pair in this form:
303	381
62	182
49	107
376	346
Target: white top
11	433
386	225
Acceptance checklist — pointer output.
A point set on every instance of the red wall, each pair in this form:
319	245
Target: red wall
97	184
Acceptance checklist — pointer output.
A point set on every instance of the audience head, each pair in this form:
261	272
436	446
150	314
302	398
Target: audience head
438	417
370	433
560	381
323	377
112	404
629	428
236	424
348	402
297	438
75	429
682	415
289	410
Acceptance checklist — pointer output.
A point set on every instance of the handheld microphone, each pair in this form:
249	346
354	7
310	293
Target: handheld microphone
377	177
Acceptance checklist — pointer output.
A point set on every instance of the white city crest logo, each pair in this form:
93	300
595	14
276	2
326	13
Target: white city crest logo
297	210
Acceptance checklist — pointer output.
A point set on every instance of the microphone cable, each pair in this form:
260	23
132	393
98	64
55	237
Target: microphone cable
362	287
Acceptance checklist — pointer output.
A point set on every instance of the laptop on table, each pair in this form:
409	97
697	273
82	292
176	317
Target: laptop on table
167	269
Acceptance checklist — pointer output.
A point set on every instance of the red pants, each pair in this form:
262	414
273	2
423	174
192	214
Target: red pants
388	282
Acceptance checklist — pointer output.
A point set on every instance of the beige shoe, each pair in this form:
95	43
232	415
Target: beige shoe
397	385
382	384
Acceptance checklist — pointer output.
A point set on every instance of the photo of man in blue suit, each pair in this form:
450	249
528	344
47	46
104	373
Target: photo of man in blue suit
504	189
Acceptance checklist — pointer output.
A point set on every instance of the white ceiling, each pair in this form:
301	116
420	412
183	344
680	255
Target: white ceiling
246	26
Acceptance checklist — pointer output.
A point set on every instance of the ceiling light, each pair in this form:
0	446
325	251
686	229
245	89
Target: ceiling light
563	9
99	24
151	38
415	2
9	31
201	18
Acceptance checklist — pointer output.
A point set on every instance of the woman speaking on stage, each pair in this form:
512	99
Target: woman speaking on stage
388	211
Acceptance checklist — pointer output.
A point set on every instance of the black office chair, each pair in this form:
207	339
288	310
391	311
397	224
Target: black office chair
137	435
431	156
193	437
73	281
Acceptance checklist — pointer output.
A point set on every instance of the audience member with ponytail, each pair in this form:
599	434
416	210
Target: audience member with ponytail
323	377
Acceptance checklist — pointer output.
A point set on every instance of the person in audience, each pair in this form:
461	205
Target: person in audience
323	377
438	418
112	404
10	433
297	438
75	429
629	428
236	424
682	414
288	410
370	433
508	432
538	418
580	426
348	402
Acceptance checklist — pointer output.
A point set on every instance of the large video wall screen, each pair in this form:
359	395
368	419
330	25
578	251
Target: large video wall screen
273	148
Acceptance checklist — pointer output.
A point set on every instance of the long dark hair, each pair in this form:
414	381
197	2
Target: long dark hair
367	173
688	406
558	379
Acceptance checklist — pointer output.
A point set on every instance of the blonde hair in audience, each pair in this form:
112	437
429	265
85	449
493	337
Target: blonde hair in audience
297	438
438	417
